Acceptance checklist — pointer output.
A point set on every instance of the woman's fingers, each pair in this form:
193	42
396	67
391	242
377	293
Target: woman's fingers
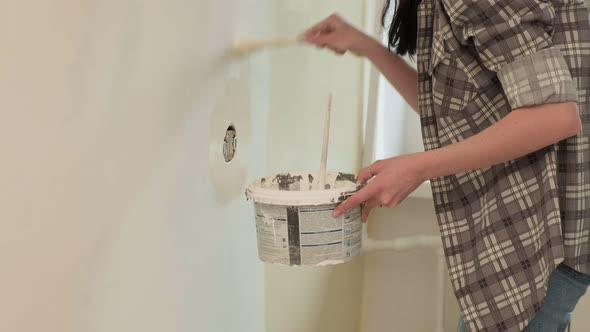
364	175
322	40
333	47
365	214
363	195
372	203
325	34
369	172
338	35
355	200
316	30
326	25
339	51
367	207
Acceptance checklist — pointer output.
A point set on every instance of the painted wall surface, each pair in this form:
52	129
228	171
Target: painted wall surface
114	211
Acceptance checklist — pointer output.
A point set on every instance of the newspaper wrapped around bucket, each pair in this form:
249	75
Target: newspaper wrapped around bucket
294	223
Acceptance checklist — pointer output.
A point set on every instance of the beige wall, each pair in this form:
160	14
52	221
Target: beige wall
114	216
581	316
400	287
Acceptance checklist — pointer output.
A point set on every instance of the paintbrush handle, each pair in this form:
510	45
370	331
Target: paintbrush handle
249	46
324	161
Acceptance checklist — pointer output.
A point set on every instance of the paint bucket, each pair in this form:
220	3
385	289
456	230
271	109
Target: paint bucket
294	223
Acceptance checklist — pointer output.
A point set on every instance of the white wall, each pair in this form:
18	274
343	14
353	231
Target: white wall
112	216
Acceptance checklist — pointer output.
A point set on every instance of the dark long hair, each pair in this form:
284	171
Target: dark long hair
403	28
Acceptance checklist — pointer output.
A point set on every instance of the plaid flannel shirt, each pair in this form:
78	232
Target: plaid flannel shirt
505	228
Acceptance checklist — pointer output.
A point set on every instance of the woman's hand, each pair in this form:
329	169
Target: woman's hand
392	181
339	36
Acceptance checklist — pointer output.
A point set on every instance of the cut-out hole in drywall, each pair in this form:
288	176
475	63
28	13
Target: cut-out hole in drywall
230	143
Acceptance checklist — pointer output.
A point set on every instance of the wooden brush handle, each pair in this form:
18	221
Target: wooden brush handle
249	46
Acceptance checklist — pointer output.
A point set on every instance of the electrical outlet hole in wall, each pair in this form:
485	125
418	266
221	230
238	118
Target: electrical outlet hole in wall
230	143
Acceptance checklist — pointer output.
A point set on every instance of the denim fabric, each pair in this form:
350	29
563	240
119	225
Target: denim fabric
566	287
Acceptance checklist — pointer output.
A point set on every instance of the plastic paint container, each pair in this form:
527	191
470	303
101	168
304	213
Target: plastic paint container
294	223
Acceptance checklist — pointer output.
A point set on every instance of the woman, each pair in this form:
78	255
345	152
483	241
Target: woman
503	93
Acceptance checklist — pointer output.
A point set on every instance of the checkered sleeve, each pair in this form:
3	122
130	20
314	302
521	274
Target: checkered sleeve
538	78
514	39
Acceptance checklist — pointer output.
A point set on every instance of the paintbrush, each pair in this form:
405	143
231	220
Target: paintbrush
245	47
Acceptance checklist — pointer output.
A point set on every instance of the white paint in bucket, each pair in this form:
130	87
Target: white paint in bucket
294	223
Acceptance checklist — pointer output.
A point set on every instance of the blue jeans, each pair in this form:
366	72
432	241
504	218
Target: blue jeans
566	287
